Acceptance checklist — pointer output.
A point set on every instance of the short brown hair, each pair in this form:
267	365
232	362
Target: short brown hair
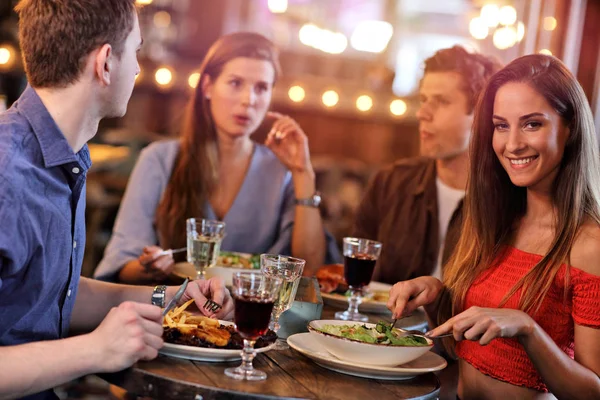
474	68
56	35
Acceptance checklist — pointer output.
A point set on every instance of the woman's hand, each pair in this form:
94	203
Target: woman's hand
289	143
407	296
159	267
486	324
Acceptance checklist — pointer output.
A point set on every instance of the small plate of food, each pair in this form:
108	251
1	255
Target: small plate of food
334	291
199	338
228	263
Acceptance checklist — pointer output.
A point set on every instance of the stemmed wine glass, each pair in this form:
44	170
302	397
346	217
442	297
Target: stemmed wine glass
289	269
204	238
253	294
360	256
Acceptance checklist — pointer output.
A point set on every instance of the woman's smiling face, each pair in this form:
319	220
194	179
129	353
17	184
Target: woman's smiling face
529	136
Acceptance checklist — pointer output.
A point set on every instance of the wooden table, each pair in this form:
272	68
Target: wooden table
290	375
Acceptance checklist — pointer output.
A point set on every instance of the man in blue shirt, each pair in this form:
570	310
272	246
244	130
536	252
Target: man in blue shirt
81	61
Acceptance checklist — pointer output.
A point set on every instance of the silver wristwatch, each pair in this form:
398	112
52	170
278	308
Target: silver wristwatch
158	295
313	201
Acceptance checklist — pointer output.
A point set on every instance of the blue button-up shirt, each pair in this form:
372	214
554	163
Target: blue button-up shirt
42	225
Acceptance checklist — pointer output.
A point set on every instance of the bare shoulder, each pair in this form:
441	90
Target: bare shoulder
585	253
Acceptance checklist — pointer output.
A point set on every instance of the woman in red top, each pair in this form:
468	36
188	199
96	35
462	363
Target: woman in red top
521	293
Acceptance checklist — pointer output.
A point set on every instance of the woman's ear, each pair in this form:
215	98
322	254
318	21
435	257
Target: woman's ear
206	86
104	64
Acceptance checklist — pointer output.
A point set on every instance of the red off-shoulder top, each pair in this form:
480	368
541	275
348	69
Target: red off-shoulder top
505	359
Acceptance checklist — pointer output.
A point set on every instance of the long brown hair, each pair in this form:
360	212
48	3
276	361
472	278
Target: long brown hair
195	172
494	205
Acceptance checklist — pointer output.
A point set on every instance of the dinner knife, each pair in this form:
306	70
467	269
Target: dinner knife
176	298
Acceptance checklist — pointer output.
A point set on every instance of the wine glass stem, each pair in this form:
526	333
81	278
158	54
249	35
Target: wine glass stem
274	324
200	273
354	301
247	355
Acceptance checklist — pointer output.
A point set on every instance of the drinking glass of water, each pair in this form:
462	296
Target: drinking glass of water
360	256
253	297
204	238
289	270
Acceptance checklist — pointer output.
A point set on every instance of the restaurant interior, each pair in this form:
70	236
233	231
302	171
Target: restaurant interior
351	73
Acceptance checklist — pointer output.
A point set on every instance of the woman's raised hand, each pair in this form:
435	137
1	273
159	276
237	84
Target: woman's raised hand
289	143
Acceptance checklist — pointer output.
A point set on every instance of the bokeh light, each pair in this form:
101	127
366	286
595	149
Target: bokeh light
296	94
330	98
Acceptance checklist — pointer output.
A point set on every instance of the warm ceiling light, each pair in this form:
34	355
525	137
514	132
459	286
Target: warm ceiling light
322	39
364	103
162	19
5	55
143	2
163	76
550	23
278	6
193	79
507	15
478	28
520	31
371	36
330	98
296	94
546	52
398	107
505	37
490	14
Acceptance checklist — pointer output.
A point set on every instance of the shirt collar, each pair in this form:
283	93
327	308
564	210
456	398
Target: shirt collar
53	144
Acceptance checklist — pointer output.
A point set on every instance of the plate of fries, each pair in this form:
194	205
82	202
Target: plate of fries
199	338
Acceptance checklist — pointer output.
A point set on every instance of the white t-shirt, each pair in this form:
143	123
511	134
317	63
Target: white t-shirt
447	199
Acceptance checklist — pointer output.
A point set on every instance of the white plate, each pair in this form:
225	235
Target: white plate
368	306
206	354
306	344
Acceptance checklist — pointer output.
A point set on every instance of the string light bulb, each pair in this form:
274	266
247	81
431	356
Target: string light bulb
296	94
330	98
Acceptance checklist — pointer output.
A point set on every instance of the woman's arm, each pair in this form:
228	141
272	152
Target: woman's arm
308	235
565	377
290	145
134	225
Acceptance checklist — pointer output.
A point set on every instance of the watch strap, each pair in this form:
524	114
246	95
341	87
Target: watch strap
158	295
312	201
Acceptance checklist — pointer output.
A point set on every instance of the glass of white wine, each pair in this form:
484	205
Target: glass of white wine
204	239
289	270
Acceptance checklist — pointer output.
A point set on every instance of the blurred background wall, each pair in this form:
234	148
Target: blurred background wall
351	70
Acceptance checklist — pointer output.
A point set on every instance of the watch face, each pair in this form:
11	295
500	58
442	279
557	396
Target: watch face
316	200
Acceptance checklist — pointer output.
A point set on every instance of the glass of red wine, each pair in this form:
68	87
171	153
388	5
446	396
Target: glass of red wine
253	295
360	256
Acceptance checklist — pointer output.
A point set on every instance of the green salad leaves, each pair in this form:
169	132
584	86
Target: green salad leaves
380	334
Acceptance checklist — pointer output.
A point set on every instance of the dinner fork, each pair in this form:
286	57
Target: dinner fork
212	306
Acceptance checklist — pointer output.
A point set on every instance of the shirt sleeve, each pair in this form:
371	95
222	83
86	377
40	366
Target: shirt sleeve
135	223
586	299
14	234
